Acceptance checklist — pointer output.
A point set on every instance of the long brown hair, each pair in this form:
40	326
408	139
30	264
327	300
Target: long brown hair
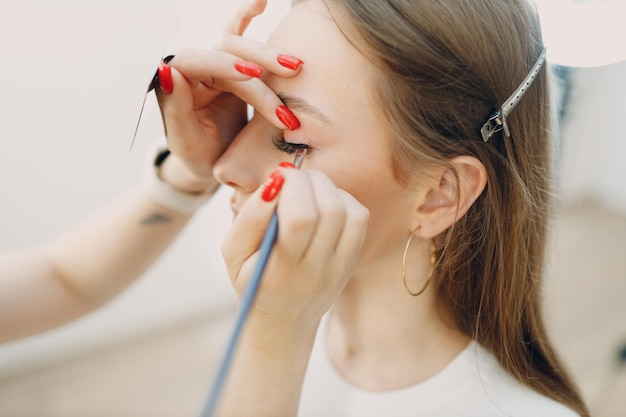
443	68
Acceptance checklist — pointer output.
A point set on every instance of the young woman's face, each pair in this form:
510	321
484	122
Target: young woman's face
340	121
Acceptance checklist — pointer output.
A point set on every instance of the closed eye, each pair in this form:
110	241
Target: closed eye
290	148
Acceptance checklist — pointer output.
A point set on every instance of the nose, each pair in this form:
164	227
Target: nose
249	159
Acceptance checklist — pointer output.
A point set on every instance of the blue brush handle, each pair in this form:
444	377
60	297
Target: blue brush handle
248	297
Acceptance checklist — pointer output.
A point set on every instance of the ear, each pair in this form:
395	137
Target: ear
450	195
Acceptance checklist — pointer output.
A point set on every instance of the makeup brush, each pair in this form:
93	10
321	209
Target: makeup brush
246	303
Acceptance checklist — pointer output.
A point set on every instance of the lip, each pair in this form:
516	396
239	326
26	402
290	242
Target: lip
234	207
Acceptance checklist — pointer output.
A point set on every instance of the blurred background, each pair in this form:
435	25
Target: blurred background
74	74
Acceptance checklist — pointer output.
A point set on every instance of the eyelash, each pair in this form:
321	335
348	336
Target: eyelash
290	148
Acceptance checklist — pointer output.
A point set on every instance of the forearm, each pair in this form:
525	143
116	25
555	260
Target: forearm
106	252
44	287
268	370
89	264
109	249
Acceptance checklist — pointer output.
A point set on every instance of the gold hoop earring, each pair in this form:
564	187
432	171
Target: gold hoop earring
432	266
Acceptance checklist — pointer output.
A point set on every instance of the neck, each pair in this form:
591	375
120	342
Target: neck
382	338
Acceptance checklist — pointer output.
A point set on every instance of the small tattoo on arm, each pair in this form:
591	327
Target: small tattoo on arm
155	218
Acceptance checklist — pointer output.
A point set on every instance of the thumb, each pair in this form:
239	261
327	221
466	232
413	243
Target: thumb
176	106
244	238
185	133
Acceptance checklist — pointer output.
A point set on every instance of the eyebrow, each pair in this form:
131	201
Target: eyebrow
301	105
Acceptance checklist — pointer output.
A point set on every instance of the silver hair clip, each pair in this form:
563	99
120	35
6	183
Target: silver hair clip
497	121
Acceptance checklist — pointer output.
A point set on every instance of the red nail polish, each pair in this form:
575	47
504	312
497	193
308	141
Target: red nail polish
286	165
289	61
248	68
272	186
165	78
287	117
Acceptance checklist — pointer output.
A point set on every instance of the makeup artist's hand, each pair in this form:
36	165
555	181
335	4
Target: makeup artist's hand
321	230
320	235
202	98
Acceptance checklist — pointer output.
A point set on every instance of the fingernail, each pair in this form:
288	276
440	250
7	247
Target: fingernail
286	165
287	117
165	78
289	61
248	68
272	186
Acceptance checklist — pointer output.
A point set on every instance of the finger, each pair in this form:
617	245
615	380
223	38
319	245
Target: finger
275	60
332	216
244	15
245	236
208	66
297	215
204	94
177	108
264	100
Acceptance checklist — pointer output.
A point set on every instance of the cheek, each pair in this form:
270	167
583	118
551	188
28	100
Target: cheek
390	217
389	203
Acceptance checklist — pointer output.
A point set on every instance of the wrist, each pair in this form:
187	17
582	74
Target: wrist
291	330
173	171
176	191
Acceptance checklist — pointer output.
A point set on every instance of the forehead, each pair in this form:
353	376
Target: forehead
334	74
